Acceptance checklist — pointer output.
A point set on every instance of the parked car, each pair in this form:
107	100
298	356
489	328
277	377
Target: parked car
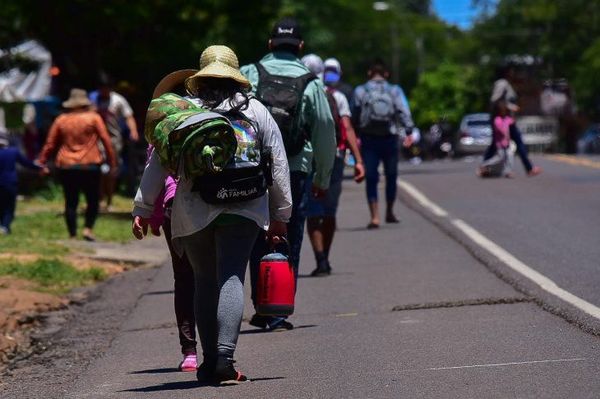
474	134
540	133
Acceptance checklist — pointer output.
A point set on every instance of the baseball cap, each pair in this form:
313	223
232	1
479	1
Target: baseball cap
333	71
286	31
314	63
332	64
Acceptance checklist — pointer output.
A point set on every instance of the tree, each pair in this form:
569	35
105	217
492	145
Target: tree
447	92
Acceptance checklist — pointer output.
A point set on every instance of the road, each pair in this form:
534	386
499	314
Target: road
413	310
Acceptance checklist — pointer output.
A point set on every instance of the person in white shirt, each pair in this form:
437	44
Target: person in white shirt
321	213
115	111
218	238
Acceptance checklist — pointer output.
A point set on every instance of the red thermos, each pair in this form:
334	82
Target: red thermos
276	286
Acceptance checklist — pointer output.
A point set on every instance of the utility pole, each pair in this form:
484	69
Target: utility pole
394	43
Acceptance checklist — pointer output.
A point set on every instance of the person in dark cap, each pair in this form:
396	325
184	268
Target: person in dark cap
308	133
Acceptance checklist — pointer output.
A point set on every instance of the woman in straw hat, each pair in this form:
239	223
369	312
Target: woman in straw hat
218	239
73	140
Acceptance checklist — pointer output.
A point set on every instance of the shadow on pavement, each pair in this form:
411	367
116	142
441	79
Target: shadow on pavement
179	385
157	371
446	171
167	386
333	273
261	331
383	226
265	379
159	292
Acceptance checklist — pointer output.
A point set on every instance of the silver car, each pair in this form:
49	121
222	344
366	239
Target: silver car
474	134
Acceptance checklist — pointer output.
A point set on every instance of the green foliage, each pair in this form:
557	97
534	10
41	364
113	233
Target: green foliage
447	92
140	41
586	87
563	33
51	273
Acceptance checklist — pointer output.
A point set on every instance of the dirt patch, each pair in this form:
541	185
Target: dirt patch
20	307
109	267
22	304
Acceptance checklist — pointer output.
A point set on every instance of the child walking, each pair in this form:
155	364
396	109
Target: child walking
9	157
501	163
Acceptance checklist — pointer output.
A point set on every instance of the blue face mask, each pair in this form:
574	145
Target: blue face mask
331	77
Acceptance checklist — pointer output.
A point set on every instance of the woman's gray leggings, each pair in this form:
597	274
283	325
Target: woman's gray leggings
219	256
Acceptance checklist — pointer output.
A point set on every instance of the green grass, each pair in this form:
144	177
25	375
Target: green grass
39	229
51	274
39	226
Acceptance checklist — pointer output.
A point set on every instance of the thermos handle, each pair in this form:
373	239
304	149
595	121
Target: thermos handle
273	246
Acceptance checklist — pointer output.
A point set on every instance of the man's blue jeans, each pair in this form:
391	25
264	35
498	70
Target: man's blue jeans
295	232
374	150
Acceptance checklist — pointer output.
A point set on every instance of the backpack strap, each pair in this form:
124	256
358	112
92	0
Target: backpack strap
262	71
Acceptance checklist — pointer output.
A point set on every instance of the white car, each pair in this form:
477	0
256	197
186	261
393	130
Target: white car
474	134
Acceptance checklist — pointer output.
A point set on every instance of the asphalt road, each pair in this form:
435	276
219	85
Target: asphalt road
549	222
469	334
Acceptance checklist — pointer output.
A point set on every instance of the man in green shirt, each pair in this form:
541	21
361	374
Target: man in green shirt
317	147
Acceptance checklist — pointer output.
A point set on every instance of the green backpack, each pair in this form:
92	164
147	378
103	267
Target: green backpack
183	132
221	152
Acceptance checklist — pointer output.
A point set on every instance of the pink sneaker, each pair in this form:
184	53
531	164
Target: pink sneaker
189	362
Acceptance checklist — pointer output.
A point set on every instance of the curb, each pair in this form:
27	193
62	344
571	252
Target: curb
543	299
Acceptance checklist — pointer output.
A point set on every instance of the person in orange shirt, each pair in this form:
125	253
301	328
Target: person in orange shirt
73	141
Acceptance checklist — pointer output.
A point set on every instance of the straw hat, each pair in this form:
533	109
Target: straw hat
216	62
171	81
77	99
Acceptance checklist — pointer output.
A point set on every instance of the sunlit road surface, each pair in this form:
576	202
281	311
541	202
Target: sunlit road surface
415	310
549	222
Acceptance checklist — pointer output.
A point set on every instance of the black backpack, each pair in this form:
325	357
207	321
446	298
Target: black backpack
247	175
282	95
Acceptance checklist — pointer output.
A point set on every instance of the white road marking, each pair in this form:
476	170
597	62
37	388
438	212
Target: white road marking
578	359
346	315
508	259
422	199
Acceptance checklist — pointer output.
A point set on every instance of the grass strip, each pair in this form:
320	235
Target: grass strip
51	274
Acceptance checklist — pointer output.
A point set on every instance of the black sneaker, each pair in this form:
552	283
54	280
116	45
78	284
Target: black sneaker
226	374
321	271
205	373
259	321
280	325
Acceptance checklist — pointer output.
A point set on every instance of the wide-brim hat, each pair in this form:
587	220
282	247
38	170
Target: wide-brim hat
171	81
216	62
77	98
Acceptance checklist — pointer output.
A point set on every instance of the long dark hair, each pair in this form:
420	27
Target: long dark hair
212	92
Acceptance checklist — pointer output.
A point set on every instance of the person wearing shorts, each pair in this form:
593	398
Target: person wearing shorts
321	212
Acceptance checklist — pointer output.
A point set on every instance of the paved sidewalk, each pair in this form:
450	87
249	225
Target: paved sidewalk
349	343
